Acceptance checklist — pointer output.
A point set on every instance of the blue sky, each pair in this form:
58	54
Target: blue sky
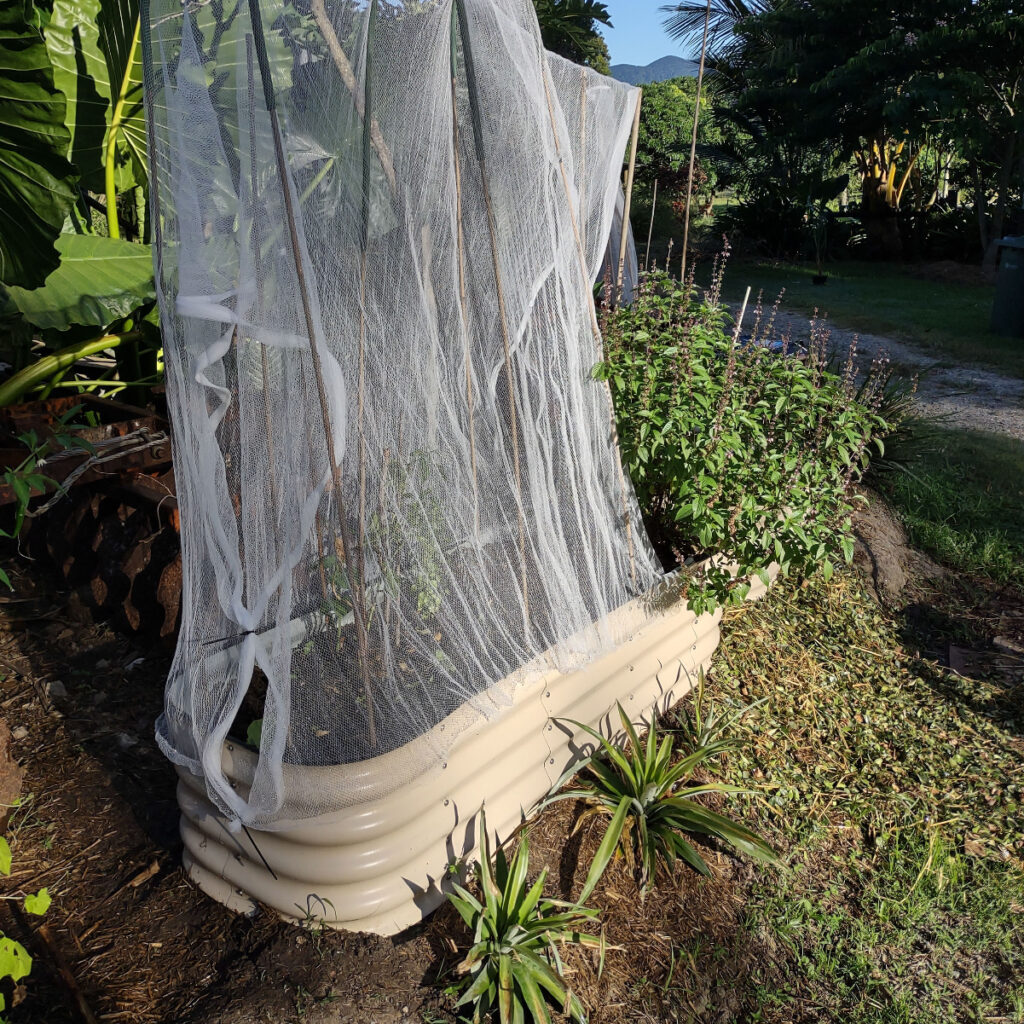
638	37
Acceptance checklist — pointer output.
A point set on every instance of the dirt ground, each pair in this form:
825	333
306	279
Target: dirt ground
98	828
128	938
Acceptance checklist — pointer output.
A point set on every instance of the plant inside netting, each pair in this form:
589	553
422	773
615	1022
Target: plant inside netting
379	225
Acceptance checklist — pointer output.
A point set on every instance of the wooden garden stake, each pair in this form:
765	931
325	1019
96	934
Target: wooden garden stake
650	230
258	260
368	136
471	82
594	326
624	234
583	150
462	271
693	144
314	350
341	62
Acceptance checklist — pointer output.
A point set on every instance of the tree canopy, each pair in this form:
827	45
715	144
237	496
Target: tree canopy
571	28
906	97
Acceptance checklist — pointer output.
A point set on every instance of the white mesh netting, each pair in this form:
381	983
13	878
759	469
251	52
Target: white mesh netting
380	224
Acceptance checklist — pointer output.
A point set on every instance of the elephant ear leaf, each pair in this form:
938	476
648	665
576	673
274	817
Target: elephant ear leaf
99	280
37	182
96	57
121	45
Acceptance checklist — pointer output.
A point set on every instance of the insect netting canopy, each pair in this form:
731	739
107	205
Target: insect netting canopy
380	224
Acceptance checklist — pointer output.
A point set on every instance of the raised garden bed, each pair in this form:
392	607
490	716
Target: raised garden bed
380	865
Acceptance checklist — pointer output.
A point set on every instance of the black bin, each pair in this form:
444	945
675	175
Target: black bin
1008	308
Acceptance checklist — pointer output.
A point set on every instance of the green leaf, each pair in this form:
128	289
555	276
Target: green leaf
254	734
479	986
505	987
119	40
513	893
5	857
535	1001
531	899
606	850
15	963
466	906
80	72
99	280
37	181
39	903
492	896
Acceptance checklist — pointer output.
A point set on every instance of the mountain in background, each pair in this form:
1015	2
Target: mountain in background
657	71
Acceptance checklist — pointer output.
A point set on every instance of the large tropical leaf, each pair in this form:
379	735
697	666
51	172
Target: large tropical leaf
121	45
37	182
80	72
685	20
99	280
96	64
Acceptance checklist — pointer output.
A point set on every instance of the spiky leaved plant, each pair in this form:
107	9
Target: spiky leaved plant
513	965
700	724
646	794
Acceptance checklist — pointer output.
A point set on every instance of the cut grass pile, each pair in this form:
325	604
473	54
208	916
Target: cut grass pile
947	318
894	785
891	788
962	501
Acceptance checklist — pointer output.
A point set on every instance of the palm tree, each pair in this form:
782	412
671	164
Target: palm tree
685	20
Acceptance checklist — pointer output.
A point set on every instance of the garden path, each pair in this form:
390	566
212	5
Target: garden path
968	396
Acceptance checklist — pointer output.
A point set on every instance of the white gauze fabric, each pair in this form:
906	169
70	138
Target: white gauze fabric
379	225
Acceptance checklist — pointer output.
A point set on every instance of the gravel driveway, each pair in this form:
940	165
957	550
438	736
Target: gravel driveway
968	396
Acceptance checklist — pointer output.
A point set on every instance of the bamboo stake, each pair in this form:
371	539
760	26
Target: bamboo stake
371	35
693	143
594	326
156	225
462	271
258	260
341	62
624	234
583	155
577	234
314	350
471	82
650	229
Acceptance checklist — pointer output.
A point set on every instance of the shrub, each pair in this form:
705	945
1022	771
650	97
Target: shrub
733	449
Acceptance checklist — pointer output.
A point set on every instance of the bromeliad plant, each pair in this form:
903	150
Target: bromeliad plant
701	725
513	965
649	797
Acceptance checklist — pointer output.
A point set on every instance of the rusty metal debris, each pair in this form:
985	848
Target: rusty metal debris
108	521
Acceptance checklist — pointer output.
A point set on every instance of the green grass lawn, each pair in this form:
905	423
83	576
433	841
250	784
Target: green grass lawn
962	500
949	320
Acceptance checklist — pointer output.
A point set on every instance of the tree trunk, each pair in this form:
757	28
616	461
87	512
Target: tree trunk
981	212
999	213
880	222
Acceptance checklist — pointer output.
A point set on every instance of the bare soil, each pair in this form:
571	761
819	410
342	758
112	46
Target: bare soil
98	828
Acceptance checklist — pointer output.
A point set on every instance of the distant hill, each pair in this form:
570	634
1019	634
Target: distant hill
658	71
